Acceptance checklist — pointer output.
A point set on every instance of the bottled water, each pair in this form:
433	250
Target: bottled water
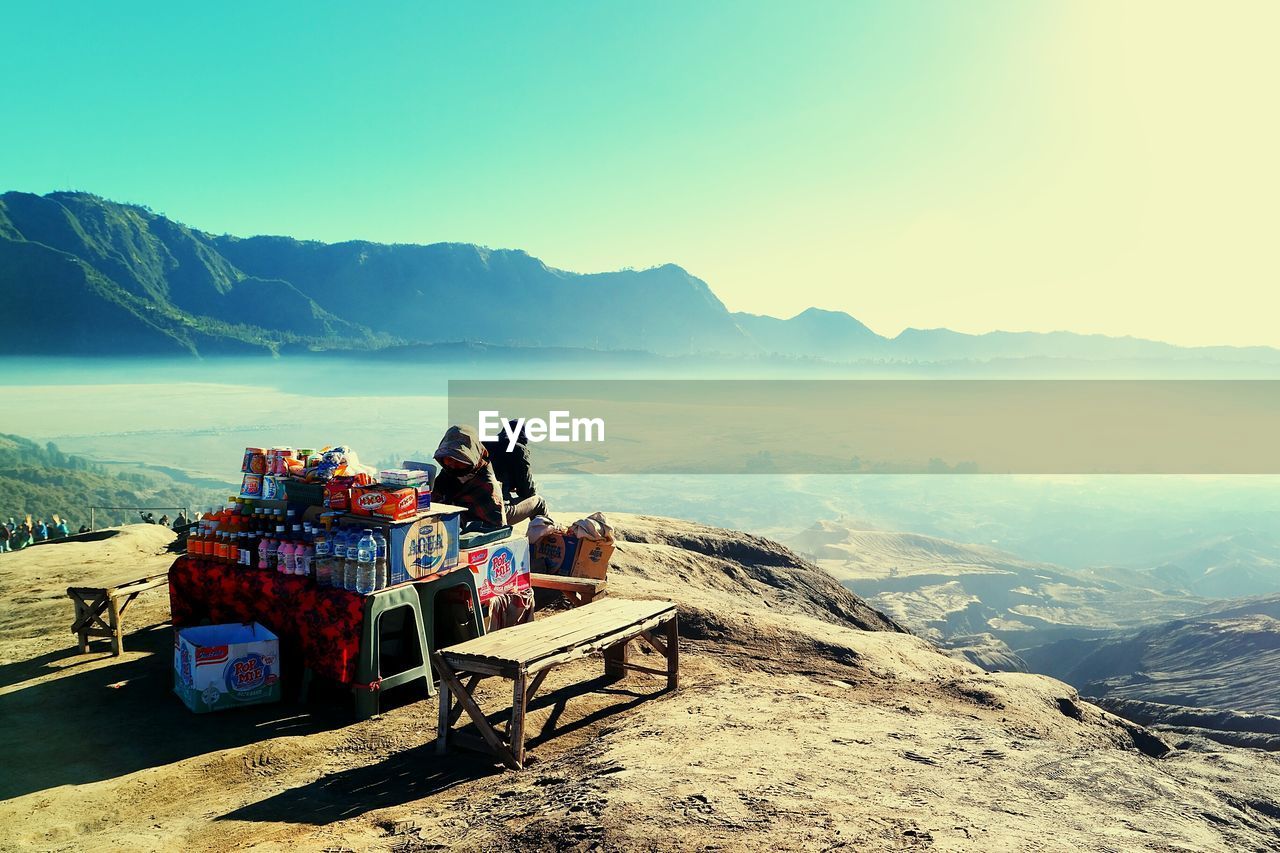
366	549
340	557
349	564
380	560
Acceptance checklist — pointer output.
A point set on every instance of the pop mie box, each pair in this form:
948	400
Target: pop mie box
499	567
226	666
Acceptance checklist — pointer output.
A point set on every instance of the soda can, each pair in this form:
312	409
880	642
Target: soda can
251	486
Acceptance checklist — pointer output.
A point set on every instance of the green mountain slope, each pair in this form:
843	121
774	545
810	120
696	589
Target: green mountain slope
85	275
39	480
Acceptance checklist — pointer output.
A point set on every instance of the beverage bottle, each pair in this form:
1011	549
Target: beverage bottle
305	557
323	562
380	560
284	557
195	540
340	557
232	530
274	551
299	545
264	553
366	549
353	559
210	522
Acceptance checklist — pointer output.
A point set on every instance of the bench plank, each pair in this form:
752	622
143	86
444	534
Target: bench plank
585	630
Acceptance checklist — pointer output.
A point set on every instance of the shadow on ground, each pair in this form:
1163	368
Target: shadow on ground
420	772
99	722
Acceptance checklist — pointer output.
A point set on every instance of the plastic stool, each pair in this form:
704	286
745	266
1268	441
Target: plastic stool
430	590
369	666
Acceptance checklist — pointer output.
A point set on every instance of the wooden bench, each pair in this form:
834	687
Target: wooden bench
99	609
531	651
577	591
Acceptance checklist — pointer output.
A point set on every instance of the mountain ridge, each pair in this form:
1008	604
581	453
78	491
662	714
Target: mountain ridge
168	287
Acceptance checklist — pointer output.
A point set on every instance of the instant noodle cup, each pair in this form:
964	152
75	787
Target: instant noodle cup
271	488
251	486
255	461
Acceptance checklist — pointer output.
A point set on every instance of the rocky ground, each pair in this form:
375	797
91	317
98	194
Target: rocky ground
805	720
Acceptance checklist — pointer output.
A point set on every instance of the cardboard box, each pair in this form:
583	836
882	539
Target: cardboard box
226	666
419	547
591	559
395	504
499	567
565	554
554	553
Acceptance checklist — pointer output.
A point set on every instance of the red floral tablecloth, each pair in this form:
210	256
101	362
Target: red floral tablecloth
323	624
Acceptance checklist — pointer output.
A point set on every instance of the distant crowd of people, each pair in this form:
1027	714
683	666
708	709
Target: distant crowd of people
18	534
180	522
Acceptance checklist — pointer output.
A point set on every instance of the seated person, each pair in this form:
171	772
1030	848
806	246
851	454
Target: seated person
513	470
466	478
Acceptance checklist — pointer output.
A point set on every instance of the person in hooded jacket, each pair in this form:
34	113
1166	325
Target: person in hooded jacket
512	467
466	478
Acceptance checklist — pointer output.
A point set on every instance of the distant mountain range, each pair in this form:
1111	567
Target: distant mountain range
1225	657
80	274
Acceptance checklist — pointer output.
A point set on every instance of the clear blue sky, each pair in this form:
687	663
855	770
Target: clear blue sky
985	165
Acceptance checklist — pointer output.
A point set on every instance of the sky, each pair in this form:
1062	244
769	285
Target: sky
1068	164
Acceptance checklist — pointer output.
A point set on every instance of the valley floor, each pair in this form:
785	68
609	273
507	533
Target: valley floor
793	729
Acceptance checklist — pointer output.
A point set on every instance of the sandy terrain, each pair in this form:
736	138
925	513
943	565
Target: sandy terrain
793	729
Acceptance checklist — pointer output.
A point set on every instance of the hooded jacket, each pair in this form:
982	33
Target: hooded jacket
512	467
476	488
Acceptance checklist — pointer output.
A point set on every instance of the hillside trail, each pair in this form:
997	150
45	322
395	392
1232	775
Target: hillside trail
805	721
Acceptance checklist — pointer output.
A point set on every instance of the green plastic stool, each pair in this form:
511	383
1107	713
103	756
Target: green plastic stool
420	598
369	666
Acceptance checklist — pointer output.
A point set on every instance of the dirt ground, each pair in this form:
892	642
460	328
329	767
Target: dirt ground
792	729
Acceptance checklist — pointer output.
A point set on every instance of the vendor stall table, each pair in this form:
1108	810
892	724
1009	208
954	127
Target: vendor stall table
333	630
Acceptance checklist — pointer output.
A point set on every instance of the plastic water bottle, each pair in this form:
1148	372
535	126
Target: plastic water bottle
352	538
323	560
366	550
339	557
305	555
380	560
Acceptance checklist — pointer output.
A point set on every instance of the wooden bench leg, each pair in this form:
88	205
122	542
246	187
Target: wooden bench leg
117	633
519	699
449	680
81	635
445	719
673	653
615	660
